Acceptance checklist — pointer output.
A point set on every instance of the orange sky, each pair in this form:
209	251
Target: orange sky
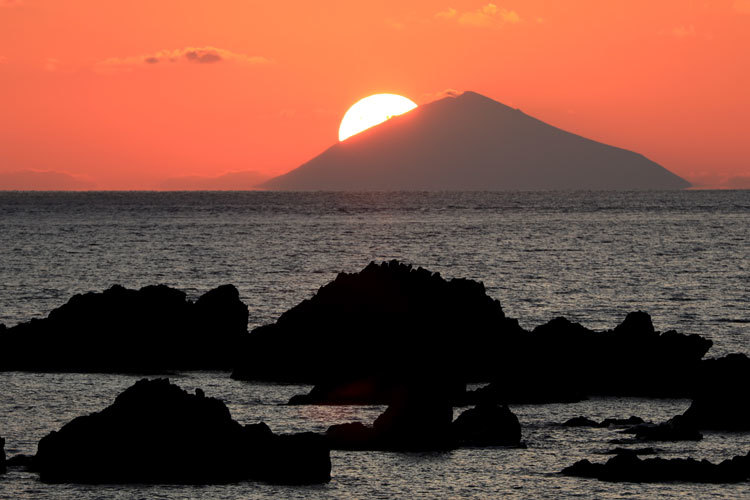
262	85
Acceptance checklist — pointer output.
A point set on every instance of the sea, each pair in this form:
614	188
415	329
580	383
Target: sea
681	256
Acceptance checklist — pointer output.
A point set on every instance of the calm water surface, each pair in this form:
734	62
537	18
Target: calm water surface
592	257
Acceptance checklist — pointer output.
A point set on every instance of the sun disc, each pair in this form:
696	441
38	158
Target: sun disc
371	111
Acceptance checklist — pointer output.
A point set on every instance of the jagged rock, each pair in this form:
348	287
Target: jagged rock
628	467
607	422
487	425
722	398
153	329
155	432
675	429
388	321
666	362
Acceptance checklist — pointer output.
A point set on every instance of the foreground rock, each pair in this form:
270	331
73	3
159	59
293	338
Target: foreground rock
2	456
722	398
153	329
390	322
155	432
628	467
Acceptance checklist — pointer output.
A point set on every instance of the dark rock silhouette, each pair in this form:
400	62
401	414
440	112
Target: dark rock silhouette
472	143
155	432
604	363
607	422
385	325
487	425
628	467
677	428
2	456
122	330
722	399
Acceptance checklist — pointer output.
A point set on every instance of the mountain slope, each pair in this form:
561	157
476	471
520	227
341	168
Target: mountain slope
471	142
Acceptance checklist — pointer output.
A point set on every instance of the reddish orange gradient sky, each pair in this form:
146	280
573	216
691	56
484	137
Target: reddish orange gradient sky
129	94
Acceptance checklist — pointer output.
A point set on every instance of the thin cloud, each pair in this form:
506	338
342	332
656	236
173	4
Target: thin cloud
188	55
487	16
435	96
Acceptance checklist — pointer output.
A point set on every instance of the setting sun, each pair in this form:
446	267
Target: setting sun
371	111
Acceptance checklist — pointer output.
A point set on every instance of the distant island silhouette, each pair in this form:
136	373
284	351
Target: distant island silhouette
471	142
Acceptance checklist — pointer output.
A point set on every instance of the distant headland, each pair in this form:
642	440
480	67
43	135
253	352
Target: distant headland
471	142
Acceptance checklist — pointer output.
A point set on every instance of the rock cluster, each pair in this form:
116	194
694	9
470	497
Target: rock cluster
362	336
423	421
628	467
155	432
150	330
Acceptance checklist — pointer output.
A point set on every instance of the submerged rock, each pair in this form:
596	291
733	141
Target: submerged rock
607	422
155	432
487	425
722	398
628	467
153	329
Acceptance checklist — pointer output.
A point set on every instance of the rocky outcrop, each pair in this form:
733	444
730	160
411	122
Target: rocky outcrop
628	467
722	399
155	432
487	425
607	422
150	330
630	360
387	321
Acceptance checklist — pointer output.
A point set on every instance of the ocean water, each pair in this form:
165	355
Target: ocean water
591	256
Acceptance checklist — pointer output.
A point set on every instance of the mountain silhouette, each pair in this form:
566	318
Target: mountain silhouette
471	142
